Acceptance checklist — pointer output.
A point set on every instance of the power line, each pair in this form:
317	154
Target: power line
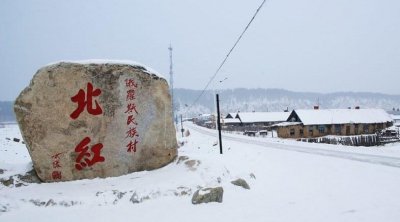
230	51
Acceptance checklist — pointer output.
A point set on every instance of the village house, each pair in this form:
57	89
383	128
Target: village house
343	122
206	120
396	120
253	120
395	114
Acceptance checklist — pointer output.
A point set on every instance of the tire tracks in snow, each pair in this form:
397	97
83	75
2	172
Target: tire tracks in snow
366	158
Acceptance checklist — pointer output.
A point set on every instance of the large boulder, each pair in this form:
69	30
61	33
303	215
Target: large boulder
96	119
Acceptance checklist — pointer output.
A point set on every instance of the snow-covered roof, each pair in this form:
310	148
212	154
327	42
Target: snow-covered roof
111	61
257	117
230	115
206	115
395	117
230	120
287	124
342	116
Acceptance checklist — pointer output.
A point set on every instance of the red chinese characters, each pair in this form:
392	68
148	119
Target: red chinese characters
130	108
130	94
56	160
87	157
131	120
132	146
130	83
85	100
132	132
132	112
56	174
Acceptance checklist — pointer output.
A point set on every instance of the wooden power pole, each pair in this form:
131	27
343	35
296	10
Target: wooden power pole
219	125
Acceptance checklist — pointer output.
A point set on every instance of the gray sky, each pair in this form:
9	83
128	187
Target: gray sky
309	45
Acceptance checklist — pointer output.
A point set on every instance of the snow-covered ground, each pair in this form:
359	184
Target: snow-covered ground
383	155
288	184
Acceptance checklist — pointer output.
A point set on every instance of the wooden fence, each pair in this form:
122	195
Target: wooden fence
359	140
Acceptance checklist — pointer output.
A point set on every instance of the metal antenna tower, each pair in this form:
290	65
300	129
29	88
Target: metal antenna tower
171	81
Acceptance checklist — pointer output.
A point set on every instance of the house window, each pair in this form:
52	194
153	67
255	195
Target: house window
338	129
321	129
291	132
347	130
366	126
310	130
356	129
301	132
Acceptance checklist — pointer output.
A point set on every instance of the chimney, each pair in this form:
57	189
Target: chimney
357	107
316	107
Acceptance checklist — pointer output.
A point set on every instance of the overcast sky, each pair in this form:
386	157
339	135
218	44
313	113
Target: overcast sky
308	45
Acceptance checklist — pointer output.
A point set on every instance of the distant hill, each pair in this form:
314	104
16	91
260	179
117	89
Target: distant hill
262	100
241	99
6	111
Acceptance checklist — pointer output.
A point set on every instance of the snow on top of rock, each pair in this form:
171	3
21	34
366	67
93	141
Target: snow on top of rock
342	116
204	191
111	61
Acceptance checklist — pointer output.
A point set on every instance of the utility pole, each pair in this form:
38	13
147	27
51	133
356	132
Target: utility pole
215	94
171	83
219	124
182	130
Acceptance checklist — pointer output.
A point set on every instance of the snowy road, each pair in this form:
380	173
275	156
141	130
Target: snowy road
367	158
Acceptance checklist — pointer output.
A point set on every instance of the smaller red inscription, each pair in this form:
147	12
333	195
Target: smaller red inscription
83	159
132	146
131	112
130	108
131	120
56	175
57	156
56	164
130	83
132	132
130	95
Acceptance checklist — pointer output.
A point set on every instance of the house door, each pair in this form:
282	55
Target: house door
347	130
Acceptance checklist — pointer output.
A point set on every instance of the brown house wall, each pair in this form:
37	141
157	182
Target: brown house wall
301	131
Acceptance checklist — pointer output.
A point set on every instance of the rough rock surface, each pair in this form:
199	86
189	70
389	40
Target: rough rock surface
207	195
241	183
87	120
